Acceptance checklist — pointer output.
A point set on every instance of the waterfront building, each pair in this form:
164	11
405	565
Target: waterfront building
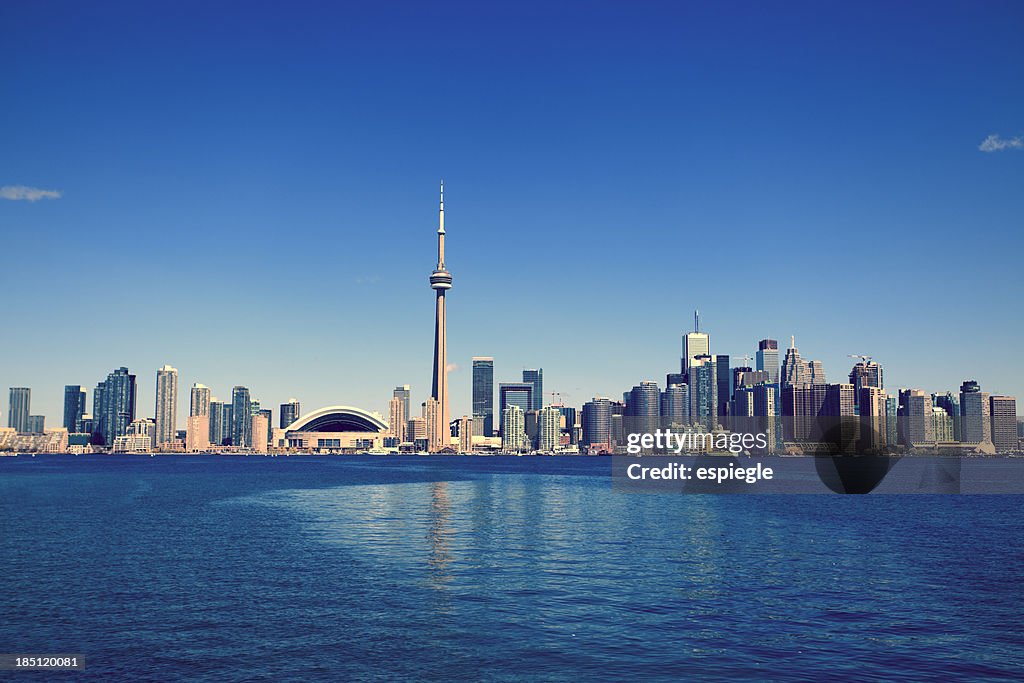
975	407
435	438
942	425
483	394
416	430
397	418
137	437
113	406
18	408
513	430
1003	414
74	408
197	433
166	410
260	431
465	434
549	430
596	423
337	429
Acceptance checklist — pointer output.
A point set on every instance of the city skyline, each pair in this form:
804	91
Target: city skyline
826	201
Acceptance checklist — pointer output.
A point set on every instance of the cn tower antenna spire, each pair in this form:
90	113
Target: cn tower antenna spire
696	320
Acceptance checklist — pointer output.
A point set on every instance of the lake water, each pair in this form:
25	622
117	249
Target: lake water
414	568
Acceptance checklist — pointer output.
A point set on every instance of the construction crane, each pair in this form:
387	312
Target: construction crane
556	397
864	359
746	360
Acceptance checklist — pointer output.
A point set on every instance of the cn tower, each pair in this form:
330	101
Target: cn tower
441	282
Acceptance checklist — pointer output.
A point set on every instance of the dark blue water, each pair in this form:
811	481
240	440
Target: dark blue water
237	569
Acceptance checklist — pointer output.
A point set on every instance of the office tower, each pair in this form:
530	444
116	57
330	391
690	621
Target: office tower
36	424
675	406
513	429
724	383
483	394
767	358
441	282
950	402
217	426
794	369
801	407
113	406
465	434
435	437
517	394
260	432
768	410
241	413
549	429
675	378
873	418
416	430
704	391
18	409
166	411
942	425
569	424
197	433
745	377
596	423
199	403
643	408
866	374
918	418
695	344
74	407
397	418
816	372
839	401
1003	413
975	419
892	433
291	411
536	378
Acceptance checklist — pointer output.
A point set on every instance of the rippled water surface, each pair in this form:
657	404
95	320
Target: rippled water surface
329	569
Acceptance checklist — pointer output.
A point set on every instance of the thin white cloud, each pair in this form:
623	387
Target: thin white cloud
32	194
994	143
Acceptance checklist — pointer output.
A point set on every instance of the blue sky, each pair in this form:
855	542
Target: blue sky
248	191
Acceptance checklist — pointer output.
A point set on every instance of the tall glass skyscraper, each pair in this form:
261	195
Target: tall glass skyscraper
166	410
74	407
290	412
113	406
18	408
597	423
723	383
536	378
241	422
483	393
515	394
768	358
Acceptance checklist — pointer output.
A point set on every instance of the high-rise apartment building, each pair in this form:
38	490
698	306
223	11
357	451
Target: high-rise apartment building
704	391
397	418
260	431
36	424
918	418
113	406
166	410
513	430
596	423
465	434
74	407
675	406
199	401
241	414
483	394
19	406
197	433
549	430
